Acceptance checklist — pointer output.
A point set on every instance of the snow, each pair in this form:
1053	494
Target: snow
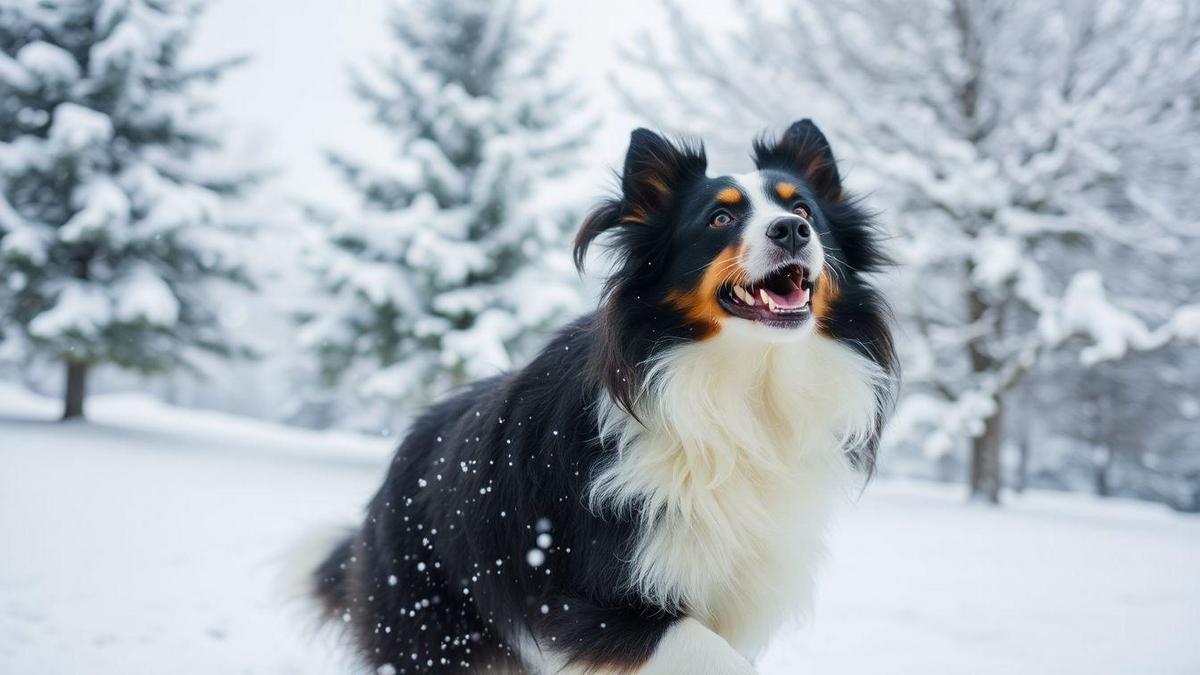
76	128
181	207
1185	324
22	242
151	535
127	45
148	540
922	583
143	296
86	309
14	75
79	309
49	63
997	259
103	209
1086	310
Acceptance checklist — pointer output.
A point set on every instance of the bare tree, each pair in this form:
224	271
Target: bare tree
1016	147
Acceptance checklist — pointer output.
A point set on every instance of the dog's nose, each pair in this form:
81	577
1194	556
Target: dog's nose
790	233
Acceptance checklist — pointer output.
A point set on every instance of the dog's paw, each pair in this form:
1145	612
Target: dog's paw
689	648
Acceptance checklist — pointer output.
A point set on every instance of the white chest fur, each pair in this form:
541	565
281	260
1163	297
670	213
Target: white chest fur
736	470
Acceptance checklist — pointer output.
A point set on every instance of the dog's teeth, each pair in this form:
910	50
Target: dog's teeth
743	295
768	301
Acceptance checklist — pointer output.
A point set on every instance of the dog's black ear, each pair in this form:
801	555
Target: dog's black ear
803	148
655	172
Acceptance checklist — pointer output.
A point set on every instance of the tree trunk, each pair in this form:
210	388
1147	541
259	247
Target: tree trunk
985	459
77	372
1103	465
1023	465
985	448
1102	487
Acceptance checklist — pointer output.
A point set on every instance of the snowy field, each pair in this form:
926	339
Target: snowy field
147	540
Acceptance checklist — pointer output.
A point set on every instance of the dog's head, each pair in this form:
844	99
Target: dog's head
773	255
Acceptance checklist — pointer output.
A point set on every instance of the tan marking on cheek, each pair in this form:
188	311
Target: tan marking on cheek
729	195
785	190
823	299
699	304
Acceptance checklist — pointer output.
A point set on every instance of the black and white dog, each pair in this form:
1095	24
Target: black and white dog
649	494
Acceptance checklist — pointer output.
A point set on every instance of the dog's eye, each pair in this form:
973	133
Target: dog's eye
800	209
720	218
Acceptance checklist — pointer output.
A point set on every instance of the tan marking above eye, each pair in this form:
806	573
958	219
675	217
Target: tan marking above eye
729	195
785	190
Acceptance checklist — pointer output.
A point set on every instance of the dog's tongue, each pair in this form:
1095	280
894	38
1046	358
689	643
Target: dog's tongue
798	297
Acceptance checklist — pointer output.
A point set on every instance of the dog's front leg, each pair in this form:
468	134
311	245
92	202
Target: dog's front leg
603	642
689	647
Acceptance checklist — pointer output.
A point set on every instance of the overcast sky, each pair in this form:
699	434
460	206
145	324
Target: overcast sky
293	98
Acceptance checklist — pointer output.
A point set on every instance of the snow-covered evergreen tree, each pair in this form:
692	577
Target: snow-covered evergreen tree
1037	162
457	259
110	202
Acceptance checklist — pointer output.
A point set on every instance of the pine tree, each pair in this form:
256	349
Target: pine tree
456	262
110	204
1036	161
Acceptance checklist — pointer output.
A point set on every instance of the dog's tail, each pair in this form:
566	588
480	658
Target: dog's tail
330	576
316	567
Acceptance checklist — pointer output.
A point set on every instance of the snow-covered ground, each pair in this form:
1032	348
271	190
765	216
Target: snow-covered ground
147	541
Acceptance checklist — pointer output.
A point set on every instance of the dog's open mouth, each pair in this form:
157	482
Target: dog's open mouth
780	299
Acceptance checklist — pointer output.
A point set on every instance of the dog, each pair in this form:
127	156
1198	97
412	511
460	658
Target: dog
650	493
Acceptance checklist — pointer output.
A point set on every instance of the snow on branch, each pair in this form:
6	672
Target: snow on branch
1086	311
